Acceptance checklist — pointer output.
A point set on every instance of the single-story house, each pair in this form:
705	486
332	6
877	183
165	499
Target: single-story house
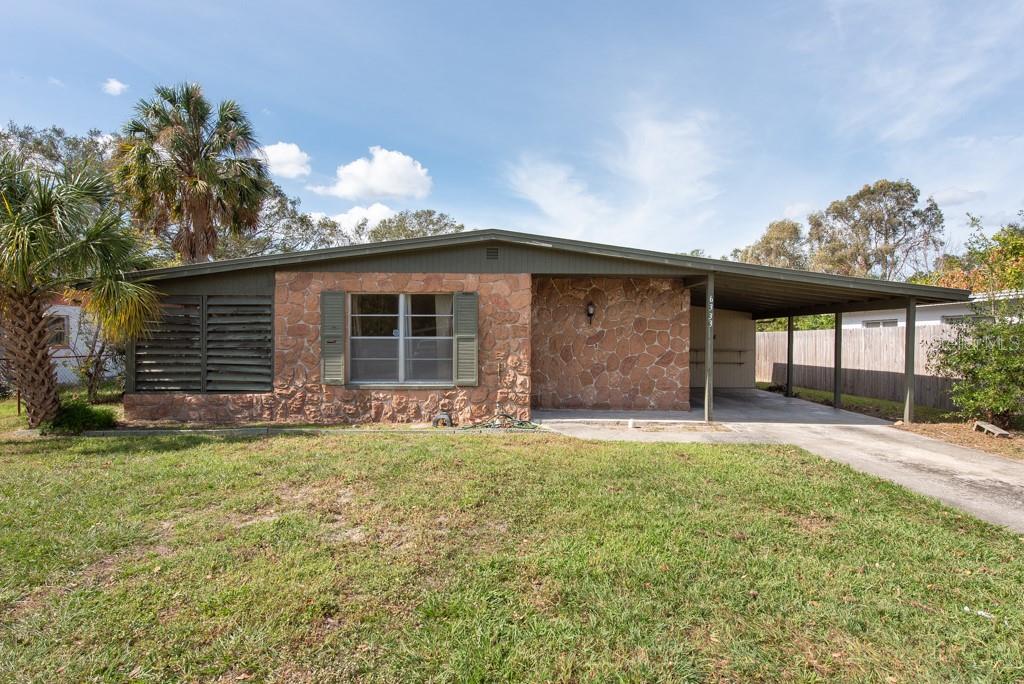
469	325
946	313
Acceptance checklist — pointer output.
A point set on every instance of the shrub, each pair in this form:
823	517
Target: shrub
985	360
78	416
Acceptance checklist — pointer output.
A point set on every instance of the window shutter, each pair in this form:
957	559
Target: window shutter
239	343
332	338
170	358
466	324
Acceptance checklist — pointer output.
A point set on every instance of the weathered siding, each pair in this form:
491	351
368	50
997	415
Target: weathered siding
872	362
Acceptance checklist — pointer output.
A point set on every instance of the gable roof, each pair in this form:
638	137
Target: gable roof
764	291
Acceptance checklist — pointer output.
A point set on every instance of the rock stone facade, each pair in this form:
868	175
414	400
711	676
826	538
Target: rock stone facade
299	396
634	354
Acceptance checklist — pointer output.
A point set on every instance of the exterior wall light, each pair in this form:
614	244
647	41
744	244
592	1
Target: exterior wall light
591	309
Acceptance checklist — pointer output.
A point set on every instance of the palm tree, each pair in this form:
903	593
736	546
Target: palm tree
61	235
190	172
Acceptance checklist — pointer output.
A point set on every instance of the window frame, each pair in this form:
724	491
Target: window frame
65	325
881	323
404	317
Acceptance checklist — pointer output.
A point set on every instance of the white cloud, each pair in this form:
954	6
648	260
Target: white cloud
797	211
558	194
54	81
386	173
287	160
114	87
906	69
952	196
658	177
374	214
975	174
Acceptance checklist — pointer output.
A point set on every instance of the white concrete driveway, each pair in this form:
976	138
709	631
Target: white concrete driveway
988	486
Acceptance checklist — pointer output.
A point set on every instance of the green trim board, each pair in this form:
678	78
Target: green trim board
761	291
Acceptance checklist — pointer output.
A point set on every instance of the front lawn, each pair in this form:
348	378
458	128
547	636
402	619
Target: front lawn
471	558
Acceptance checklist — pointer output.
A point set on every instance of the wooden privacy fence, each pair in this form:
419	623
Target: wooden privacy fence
872	362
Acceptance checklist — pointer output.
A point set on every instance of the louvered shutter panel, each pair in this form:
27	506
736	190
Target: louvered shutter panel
466	345
332	337
170	358
239	343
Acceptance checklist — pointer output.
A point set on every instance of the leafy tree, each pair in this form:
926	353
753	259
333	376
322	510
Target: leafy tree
985	359
815	322
283	227
191	172
58	230
53	148
782	246
989	264
877	232
409	224
985	356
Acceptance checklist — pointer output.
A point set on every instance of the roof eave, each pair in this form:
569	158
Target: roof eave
683	262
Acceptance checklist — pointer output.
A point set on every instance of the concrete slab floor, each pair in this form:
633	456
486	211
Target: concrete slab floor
988	486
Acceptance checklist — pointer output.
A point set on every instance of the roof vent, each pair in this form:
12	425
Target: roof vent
492	253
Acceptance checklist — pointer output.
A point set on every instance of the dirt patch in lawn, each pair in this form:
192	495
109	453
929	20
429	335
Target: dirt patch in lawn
99	573
964	434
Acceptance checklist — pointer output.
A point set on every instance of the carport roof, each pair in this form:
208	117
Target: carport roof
763	291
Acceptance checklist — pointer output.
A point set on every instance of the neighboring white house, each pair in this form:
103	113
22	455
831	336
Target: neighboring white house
927	314
70	341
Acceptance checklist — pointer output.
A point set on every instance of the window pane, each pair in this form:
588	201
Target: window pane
428	371
430	305
374	304
373	371
430	326
375	326
429	316
373	349
428	349
374	360
58	328
428	360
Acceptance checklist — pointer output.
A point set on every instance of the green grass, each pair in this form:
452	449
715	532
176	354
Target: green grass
481	558
880	408
9	418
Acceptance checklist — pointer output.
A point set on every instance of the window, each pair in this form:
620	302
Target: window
401	338
884	323
58	327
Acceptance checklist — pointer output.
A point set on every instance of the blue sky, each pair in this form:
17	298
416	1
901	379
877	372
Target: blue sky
670	126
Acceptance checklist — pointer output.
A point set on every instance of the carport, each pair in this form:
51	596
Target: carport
766	293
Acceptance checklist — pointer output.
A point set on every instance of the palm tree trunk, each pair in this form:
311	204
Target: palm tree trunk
26	339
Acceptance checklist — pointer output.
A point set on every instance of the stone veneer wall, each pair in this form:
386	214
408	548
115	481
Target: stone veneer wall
298	395
635	354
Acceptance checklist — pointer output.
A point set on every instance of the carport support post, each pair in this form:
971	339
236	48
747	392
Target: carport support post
789	356
837	365
709	349
908	361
